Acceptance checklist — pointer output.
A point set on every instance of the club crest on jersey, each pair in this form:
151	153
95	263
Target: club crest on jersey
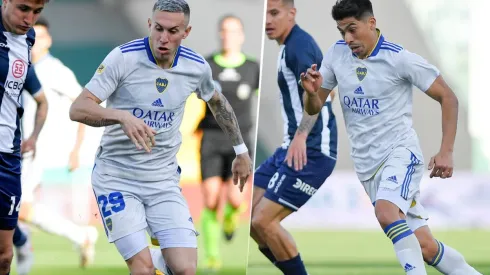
100	69
161	84
108	223
361	73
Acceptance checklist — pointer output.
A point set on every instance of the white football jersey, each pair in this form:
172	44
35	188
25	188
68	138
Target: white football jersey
58	135
130	80
376	98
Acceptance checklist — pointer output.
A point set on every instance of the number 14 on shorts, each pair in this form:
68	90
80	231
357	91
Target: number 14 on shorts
110	204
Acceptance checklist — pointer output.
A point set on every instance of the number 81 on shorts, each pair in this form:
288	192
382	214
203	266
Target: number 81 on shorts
113	203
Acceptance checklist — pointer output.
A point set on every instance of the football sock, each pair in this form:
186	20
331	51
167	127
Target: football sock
211	233
407	248
20	238
268	253
448	261
292	266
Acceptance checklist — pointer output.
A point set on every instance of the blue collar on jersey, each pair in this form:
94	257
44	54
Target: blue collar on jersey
375	50
2	28
149	52
293	30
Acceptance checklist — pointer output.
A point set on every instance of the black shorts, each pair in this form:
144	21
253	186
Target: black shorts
217	154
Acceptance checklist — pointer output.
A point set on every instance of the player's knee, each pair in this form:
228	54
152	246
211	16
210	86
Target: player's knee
211	202
262	224
386	213
187	268
258	222
5	260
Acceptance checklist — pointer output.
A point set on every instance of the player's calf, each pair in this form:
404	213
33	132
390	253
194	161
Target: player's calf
6	252
141	264
406	245
442	257
281	248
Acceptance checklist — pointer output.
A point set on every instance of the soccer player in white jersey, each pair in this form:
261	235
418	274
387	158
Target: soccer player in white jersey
61	88
16	74
374	79
136	175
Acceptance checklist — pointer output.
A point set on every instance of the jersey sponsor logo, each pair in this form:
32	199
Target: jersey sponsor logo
161	84
100	69
243	91
155	119
360	105
361	73
13	87
304	187
18	68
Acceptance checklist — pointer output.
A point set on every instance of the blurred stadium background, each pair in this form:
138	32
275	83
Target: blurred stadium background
336	231
84	32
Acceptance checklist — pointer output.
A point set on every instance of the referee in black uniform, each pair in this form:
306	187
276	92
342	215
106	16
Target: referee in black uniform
238	78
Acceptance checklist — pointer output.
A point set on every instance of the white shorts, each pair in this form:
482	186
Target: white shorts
32	171
398	181
128	206
132	244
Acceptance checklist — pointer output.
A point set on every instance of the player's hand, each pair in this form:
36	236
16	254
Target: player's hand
297	152
29	145
441	165
142	135
311	80
73	161
241	169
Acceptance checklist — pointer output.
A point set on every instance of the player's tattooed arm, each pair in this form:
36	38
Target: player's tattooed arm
307	123
225	116
86	109
98	123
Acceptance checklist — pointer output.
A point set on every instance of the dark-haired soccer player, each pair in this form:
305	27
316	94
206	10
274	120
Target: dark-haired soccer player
374	79
288	179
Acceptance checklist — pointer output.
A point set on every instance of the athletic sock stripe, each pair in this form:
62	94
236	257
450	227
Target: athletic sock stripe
440	253
402	235
396	228
395	233
393	225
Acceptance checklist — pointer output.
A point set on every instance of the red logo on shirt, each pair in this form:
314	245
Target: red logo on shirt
18	68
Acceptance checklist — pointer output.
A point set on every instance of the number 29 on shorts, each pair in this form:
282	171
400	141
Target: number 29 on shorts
110	204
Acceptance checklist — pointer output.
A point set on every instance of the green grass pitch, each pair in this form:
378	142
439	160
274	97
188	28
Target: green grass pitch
325	253
57	256
368	253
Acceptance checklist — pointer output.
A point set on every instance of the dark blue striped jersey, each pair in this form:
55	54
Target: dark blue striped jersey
296	55
16	74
